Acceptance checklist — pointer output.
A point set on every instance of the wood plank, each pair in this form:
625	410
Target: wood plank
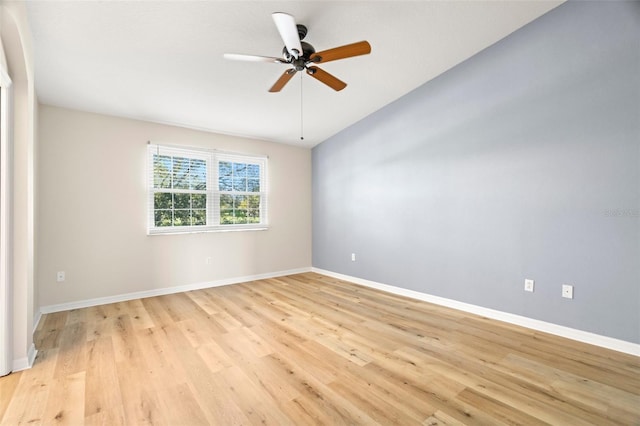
257	404
72	356
140	401
8	385
65	404
186	412
103	397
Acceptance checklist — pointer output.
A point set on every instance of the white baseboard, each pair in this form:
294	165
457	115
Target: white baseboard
36	320
31	355
163	291
558	330
26	362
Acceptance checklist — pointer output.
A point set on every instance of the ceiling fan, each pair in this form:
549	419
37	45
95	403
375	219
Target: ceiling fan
301	56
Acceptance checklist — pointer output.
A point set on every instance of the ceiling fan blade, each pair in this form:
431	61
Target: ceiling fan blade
346	51
253	58
284	79
288	30
326	78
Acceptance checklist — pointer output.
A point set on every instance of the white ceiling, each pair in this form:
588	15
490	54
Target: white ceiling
162	61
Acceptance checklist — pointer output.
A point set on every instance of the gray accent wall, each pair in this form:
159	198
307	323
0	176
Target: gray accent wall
521	162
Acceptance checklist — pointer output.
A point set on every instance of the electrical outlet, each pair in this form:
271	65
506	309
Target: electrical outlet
567	291
208	260
353	257
60	277
528	285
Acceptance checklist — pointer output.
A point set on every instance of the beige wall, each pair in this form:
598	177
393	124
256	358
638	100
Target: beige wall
92	211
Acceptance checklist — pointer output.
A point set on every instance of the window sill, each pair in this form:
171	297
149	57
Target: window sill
208	229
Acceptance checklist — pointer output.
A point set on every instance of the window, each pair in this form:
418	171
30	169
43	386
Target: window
193	190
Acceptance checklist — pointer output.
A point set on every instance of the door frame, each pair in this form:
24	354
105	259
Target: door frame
6	207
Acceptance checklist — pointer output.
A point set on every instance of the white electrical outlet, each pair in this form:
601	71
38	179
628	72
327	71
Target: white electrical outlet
208	260
60	276
528	285
353	257
567	291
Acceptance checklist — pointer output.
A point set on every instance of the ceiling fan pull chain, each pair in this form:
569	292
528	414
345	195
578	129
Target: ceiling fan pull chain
301	105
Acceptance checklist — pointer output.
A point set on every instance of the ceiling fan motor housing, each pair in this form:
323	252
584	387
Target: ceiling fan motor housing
307	51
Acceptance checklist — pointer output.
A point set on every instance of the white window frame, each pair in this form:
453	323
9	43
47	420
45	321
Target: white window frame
212	159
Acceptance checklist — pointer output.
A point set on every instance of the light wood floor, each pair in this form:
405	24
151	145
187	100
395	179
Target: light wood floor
308	349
